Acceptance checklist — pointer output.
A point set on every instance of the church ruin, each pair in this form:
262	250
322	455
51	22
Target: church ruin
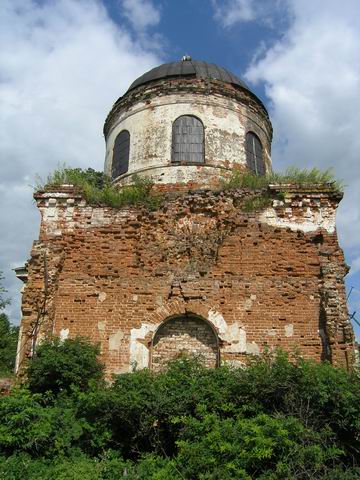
198	275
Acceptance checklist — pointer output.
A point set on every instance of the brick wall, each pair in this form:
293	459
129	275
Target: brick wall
259	280
184	335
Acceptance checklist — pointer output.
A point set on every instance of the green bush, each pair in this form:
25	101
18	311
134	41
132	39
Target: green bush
30	423
8	344
272	420
62	365
98	189
8	337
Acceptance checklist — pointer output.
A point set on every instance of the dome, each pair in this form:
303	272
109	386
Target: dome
186	123
189	68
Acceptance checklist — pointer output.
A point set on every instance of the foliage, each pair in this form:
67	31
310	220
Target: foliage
273	420
256	203
61	365
8	344
8	337
292	176
98	189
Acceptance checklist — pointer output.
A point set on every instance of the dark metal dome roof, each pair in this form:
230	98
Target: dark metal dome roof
189	68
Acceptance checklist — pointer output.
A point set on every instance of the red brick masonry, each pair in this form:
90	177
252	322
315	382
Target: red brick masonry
227	284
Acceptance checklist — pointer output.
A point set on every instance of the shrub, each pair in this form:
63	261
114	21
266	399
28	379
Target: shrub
58	366
273	420
32	424
98	189
8	337
8	344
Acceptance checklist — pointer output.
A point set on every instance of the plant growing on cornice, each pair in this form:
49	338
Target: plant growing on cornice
292	176
98	189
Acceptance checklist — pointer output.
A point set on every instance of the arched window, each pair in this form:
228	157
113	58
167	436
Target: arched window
188	140
254	154
120	162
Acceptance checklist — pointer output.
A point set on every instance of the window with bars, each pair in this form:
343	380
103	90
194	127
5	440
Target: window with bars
120	162
188	140
254	154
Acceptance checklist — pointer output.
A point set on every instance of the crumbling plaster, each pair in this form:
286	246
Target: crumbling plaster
149	121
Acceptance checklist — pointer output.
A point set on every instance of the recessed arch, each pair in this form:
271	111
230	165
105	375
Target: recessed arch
121	153
188	140
184	334
254	154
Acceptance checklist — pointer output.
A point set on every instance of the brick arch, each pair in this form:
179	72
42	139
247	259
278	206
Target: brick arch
181	307
187	334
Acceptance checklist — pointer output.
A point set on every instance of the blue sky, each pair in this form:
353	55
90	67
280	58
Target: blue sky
64	62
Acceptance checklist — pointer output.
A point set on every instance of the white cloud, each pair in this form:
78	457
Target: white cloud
142	14
63	64
232	12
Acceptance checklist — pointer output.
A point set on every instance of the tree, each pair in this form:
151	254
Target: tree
8	337
59	365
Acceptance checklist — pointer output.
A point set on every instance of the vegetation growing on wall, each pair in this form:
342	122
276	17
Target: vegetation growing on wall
273	420
98	189
292	176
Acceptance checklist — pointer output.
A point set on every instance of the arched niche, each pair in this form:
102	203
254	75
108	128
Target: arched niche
188	335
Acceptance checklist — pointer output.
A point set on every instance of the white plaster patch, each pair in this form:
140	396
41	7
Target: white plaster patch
64	333
101	326
253	348
311	222
248	304
234	335
139	353
115	340
218	321
271	332
102	296
289	330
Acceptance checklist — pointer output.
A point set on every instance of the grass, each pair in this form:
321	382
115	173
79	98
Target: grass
292	176
256	203
98	189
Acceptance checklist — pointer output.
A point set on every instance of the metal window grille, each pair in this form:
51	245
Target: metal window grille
120	163
188	140
254	154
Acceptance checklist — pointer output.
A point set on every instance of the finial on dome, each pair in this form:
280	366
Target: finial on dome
186	58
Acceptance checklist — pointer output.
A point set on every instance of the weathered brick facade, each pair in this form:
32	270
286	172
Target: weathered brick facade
197	275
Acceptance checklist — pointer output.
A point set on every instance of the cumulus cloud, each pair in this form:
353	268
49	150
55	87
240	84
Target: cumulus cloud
232	12
63	64
142	14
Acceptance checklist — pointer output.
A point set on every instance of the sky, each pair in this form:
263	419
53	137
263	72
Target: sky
63	63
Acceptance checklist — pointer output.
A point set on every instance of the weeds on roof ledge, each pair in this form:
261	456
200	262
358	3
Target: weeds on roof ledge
98	189
292	176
